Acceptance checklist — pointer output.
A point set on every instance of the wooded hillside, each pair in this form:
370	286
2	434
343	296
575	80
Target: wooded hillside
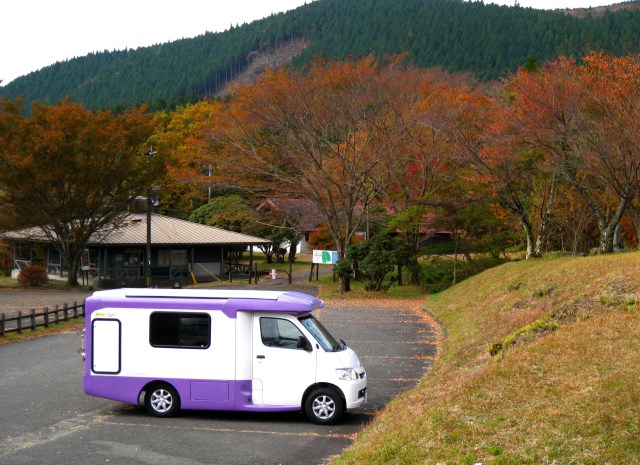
486	40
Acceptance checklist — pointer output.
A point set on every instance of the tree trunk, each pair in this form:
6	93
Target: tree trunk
292	251
545	220
73	259
636	221
606	237
455	260
528	231
414	276
344	279
607	229
344	283
467	256
618	241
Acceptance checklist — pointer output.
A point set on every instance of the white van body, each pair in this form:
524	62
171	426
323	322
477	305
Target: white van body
207	349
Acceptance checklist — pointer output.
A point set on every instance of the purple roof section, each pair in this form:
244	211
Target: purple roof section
228	301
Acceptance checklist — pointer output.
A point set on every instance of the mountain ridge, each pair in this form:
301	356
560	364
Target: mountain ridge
486	40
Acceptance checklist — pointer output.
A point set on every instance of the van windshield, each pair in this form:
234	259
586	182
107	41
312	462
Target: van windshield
320	333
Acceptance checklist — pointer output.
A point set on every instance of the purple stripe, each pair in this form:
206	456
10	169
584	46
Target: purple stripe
194	394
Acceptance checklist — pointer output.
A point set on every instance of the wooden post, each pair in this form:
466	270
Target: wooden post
19	321
2	323
290	271
46	317
65	311
55	314
32	317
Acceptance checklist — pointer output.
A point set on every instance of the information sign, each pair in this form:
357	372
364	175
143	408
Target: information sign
325	257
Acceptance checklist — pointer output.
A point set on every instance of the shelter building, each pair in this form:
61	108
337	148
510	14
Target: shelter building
181	252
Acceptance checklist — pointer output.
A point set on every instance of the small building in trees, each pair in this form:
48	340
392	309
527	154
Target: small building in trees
181	252
299	215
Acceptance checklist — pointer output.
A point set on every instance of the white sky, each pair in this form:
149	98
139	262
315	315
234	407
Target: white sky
38	33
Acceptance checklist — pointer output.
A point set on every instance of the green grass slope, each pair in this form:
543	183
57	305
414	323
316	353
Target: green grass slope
540	364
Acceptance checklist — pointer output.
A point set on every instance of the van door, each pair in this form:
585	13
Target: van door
105	346
282	370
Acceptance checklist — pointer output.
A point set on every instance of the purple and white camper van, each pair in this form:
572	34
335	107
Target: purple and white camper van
205	349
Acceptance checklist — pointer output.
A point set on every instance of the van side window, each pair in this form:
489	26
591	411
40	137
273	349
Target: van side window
184	330
276	332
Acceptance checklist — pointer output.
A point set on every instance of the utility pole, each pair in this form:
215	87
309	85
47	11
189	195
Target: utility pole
147	258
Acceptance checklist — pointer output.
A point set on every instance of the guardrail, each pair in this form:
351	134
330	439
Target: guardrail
32	319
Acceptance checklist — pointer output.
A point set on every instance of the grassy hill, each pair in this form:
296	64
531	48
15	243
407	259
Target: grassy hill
540	364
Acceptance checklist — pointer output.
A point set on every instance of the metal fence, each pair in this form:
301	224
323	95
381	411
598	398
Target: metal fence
30	320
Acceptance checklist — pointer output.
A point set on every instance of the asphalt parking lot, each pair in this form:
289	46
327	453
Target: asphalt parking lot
13	300
46	418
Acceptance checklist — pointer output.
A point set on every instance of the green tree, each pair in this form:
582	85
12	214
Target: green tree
380	258
230	212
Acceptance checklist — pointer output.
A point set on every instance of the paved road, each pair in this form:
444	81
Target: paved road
46	418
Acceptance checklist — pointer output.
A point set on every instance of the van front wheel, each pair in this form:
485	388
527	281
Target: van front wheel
162	400
324	406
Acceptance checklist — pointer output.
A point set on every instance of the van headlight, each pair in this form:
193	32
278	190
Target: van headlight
347	374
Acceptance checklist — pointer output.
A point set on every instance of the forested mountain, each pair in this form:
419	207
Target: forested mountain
486	40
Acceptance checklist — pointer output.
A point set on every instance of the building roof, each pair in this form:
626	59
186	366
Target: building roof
165	230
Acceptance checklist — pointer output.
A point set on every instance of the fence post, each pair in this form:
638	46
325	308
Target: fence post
46	317
65	311
33	319
2	317
19	322
55	314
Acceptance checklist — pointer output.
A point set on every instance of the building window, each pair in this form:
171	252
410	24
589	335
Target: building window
172	257
183	330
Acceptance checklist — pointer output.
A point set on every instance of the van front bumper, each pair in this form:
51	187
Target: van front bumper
355	393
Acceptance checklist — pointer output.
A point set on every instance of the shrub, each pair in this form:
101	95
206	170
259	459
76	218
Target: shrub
437	273
32	276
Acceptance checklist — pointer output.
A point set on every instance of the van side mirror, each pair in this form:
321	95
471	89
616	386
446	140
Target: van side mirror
303	343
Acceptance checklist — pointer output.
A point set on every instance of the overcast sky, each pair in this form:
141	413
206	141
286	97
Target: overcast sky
38	33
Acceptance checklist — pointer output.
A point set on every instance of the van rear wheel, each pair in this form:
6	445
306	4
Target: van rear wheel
324	406
162	400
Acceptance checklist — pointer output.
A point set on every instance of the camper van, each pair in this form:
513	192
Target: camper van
207	349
